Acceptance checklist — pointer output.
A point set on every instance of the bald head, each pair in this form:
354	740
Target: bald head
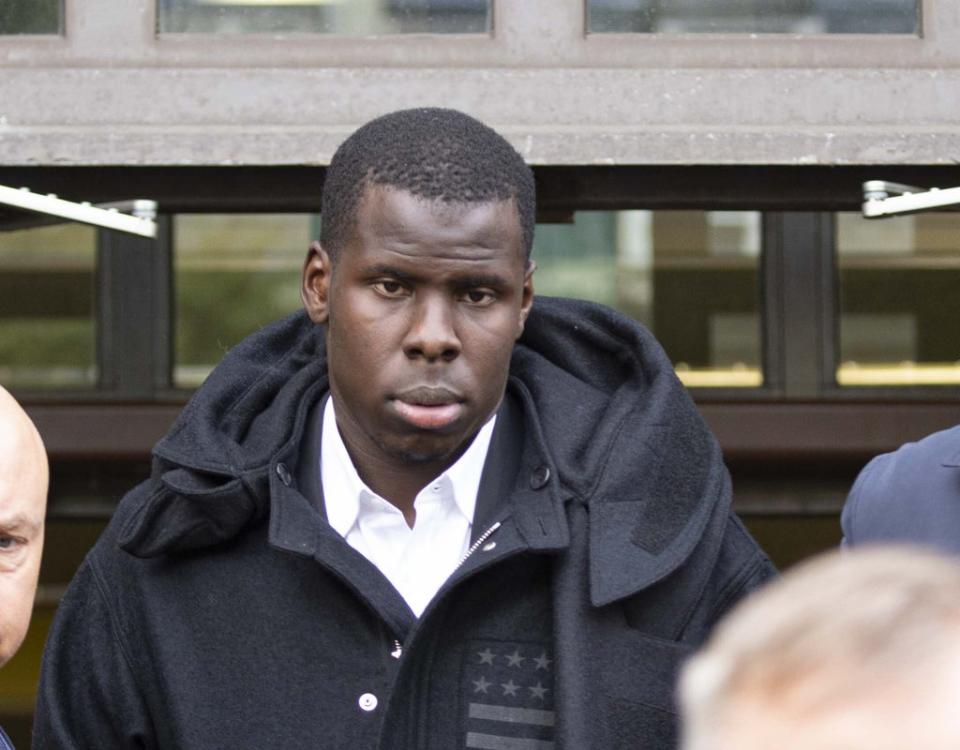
23	503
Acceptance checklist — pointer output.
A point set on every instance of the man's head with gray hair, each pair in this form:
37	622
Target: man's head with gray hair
23	502
851	651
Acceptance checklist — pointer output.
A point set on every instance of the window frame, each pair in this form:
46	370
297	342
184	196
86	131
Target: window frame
799	409
534	33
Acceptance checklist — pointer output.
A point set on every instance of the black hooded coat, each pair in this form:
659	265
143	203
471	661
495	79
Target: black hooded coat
221	610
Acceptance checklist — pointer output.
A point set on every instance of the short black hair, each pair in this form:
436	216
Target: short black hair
434	153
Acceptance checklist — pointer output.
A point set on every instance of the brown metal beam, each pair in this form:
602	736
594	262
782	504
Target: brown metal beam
771	431
102	431
747	431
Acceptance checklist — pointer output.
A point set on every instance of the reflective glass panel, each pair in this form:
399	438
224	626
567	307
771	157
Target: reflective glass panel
31	16
754	16
233	274
691	276
899	300
47	307
342	17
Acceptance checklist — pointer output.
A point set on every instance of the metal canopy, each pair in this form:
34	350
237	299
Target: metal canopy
881	198
133	216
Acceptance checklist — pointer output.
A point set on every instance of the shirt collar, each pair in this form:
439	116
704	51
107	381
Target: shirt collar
343	487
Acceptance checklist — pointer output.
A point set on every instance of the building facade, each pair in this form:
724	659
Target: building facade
699	166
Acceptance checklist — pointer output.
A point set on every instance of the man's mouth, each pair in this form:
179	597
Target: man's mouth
429	408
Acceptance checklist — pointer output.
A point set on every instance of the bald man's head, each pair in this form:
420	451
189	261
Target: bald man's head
23	504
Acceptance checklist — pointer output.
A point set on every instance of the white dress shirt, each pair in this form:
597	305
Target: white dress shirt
416	561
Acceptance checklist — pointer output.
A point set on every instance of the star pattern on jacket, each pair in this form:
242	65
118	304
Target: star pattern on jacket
486	656
515	659
538	691
543	662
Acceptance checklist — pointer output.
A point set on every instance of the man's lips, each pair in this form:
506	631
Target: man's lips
429	408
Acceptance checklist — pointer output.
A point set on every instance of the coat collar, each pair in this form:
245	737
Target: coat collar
606	425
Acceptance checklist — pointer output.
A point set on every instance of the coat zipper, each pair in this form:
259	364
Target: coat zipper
473	547
397	646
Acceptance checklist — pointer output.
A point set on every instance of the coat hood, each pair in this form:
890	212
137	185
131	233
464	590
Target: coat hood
607	410
626	439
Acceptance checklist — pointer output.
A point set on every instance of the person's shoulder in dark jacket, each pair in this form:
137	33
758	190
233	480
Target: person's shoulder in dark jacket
911	495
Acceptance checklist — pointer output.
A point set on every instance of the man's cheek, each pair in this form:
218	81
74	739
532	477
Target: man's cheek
11	561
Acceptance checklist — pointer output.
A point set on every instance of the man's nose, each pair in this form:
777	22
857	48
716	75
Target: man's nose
432	334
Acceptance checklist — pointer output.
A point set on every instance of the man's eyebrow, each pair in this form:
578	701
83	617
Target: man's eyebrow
19	523
480	279
466	280
383	269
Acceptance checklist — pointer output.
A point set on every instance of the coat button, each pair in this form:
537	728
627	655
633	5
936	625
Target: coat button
284	473
540	477
368	701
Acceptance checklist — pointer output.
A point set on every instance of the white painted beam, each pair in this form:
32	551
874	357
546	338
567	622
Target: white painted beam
906	199
108	217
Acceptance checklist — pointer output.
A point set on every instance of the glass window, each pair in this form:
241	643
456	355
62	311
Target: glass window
754	16
691	276
899	300
343	17
220	259
47	307
30	16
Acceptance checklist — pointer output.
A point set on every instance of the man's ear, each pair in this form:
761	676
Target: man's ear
526	300
315	283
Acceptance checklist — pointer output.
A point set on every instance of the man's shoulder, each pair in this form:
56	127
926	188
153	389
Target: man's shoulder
153	522
912	464
913	485
937	448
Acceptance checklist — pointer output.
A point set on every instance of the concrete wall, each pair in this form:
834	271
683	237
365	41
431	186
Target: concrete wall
112	92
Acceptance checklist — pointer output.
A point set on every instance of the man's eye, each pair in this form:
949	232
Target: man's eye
7	542
389	288
478	297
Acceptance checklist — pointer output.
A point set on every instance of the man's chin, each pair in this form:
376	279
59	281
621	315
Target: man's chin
425	455
421	458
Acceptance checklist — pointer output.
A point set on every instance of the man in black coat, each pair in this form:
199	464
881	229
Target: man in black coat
424	513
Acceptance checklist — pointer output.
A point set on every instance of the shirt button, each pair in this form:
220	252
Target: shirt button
368	702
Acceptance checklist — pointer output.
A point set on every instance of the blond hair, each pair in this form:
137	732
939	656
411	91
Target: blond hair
856	649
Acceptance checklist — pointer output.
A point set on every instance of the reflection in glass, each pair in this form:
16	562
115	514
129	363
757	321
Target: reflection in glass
899	300
30	16
233	274
47	307
691	276
754	16
343	17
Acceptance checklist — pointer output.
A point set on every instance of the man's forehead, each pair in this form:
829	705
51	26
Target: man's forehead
402	199
398	215
19	441
23	462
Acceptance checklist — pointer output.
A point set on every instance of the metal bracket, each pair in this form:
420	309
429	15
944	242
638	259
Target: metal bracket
882	198
139	221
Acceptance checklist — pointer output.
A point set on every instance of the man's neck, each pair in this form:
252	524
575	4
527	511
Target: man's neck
399	482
